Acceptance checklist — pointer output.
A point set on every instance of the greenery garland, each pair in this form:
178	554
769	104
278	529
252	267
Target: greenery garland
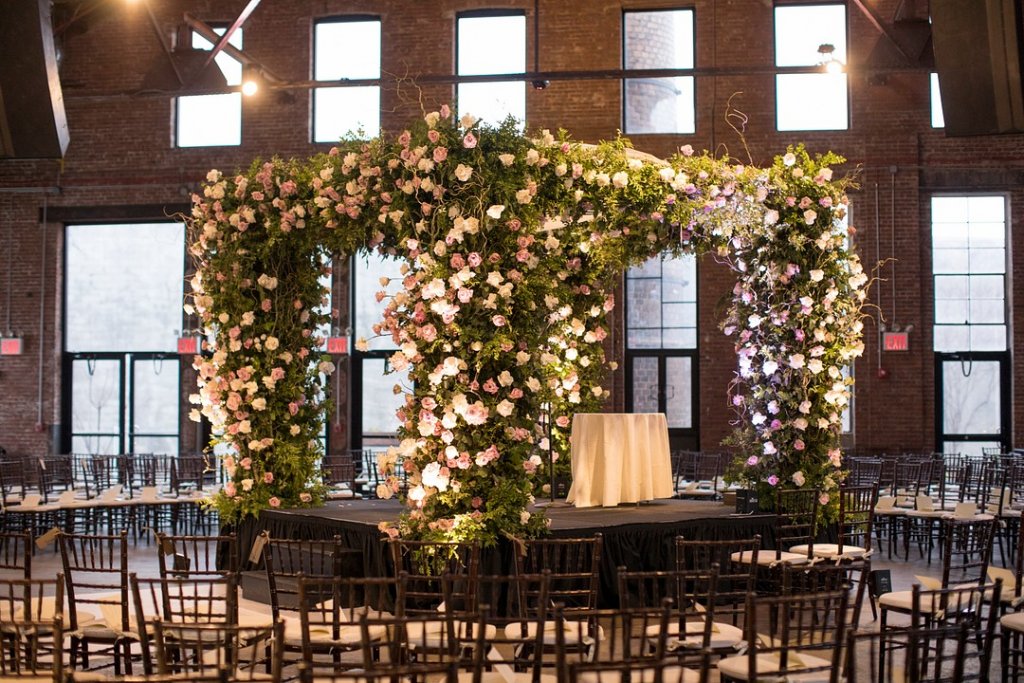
512	247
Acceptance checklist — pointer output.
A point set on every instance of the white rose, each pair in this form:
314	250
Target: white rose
817	275
463	172
507	159
620	179
496	210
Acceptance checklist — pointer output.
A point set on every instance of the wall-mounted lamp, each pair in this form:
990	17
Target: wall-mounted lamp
827	59
252	77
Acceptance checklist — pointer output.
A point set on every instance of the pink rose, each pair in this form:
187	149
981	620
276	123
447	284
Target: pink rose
266	305
275	502
305	497
469	142
440	154
246	462
799	444
499	321
268	477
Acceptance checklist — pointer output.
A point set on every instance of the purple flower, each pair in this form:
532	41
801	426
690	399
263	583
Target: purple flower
773	480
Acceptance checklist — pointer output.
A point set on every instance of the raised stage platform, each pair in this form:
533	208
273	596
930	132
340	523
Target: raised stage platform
638	537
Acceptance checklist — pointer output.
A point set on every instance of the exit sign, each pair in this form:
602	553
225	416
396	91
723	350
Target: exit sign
188	346
337	346
11	346
896	341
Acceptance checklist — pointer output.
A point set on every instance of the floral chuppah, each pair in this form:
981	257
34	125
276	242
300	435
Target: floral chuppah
511	247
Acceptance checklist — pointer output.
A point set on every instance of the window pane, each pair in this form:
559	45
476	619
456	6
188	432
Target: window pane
801	29
644	338
368	272
951	311
492	45
96	397
679	315
988	337
211	120
679	338
938	120
949	209
660	105
951	338
950	261
156	444
379	400
493	102
987	311
988	235
969	405
987	287
346	49
155	396
811	101
987	261
659	40
679	392
948	235
124	287
339	112
951	287
643	303
645	385
986	209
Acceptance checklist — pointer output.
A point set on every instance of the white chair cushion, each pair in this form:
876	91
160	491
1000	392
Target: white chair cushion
722	635
670	674
767	558
830	551
768	663
572	630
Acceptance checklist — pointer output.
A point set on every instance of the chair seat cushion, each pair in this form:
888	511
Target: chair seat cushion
1014	621
670	674
722	635
766	558
769	663
571	629
830	551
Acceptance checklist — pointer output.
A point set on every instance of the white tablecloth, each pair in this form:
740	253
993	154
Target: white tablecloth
619	458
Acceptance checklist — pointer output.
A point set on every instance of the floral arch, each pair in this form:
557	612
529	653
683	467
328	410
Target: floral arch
512	247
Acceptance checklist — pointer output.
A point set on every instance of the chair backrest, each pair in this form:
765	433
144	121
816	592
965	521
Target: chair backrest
95	573
967	549
329	621
181	600
287	559
16	554
198	555
246	653
856	516
574	564
55	474
422	638
514	616
823	577
911	653
689	594
31	621
796	519
424	563
735	578
864	472
813	623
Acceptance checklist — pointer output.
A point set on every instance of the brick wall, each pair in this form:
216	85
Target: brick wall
121	164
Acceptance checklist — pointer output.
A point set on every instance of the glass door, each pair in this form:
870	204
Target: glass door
97	413
154	404
665	382
972	401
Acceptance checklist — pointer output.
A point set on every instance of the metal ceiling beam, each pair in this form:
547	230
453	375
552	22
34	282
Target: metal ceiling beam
883	29
235	25
203	29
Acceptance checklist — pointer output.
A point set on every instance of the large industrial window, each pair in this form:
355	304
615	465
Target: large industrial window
491	43
213	120
660	39
969	266
124	286
343	48
809	36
